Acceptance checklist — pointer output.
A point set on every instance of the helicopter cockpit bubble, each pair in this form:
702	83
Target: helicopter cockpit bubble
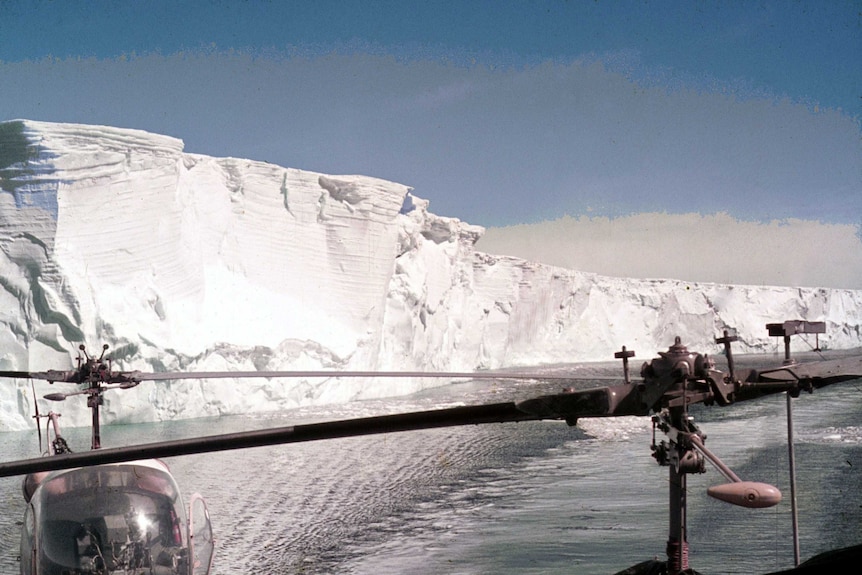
109	519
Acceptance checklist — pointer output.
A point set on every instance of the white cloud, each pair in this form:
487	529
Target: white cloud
703	248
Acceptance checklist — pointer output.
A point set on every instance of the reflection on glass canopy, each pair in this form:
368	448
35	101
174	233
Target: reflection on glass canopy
111	519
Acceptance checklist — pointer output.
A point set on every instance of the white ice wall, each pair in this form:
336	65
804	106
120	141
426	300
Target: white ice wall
187	262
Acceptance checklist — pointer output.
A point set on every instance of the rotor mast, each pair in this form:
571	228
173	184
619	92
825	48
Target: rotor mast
679	454
93	372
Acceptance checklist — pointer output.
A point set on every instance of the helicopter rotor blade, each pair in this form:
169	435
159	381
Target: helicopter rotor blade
411	421
138	376
18	374
168	376
613	401
466	415
798	376
820	373
50	375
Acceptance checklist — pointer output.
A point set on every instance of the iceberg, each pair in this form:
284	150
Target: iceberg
185	262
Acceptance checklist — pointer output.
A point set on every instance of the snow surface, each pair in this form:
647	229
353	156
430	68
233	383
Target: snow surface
181	261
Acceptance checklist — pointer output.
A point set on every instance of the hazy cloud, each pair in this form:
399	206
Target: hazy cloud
698	248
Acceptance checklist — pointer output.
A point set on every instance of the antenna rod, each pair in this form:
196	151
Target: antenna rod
794	510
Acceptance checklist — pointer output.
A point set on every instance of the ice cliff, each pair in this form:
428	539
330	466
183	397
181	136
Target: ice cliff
181	261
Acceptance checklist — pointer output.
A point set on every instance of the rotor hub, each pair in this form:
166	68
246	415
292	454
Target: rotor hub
677	360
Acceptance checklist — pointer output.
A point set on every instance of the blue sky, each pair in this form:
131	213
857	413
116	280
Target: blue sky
499	113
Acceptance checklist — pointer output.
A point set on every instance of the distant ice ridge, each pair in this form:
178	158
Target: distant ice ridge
181	261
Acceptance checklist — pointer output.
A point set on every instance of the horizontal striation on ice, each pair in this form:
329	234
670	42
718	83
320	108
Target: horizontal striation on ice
188	262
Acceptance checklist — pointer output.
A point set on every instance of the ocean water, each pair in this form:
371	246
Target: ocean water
526	498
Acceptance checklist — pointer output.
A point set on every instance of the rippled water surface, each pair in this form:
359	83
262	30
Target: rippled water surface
537	497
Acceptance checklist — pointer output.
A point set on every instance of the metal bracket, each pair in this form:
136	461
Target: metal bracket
625	355
795	327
